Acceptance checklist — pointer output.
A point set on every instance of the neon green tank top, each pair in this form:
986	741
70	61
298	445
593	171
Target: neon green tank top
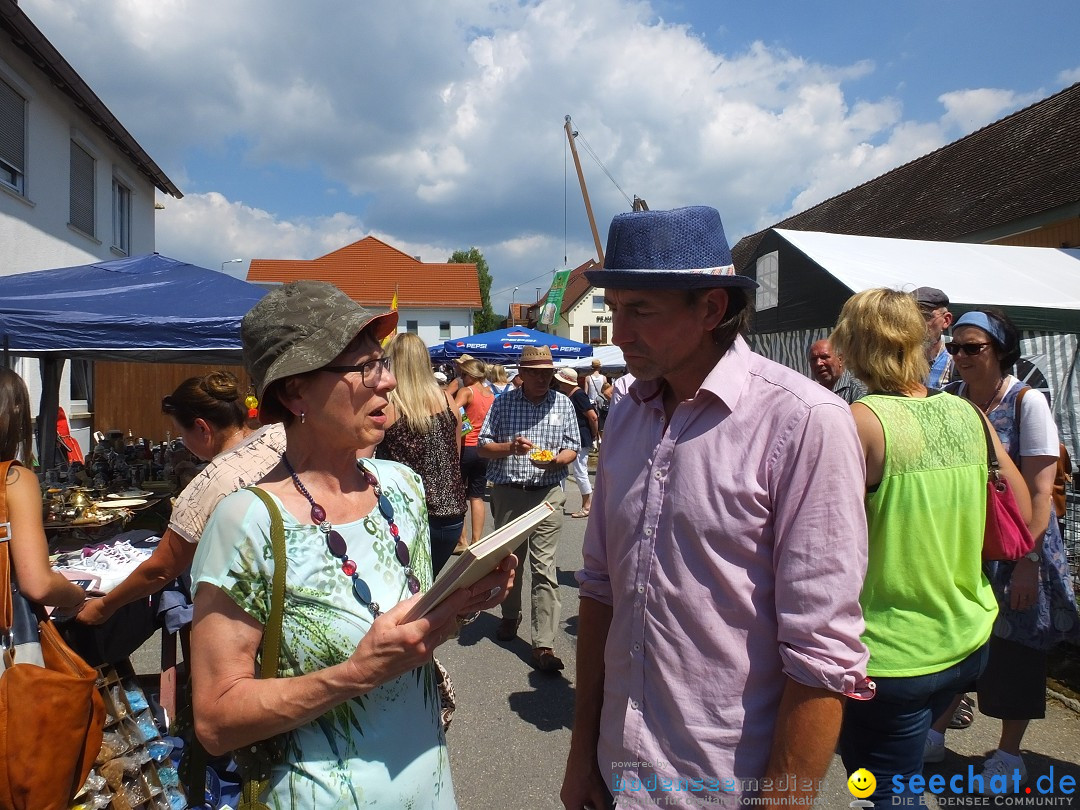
925	600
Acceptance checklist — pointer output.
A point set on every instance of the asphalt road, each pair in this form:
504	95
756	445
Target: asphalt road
511	732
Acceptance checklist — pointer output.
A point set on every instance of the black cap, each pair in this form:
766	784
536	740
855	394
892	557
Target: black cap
931	297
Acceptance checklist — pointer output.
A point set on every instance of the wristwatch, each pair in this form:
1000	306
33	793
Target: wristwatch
1034	556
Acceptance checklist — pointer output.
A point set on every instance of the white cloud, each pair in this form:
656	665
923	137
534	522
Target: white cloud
446	125
969	110
1069	77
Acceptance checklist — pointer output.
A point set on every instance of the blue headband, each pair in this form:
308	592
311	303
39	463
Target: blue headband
989	325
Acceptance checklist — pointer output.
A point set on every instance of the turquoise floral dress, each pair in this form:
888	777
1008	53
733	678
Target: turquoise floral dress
385	748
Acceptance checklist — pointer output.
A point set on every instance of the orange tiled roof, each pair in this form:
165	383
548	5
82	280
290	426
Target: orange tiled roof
370	270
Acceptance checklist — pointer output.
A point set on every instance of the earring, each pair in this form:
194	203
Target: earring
302	415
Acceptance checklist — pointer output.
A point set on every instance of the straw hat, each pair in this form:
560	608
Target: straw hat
535	357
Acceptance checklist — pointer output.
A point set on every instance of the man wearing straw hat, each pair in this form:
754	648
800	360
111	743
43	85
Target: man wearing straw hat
719	619
522	422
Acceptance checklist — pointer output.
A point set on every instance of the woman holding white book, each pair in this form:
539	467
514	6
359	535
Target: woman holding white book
355	697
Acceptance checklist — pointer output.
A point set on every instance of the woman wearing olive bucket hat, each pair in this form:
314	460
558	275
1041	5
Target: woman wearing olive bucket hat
355	694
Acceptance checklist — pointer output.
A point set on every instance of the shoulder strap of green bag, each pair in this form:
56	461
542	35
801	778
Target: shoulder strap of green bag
271	646
252	788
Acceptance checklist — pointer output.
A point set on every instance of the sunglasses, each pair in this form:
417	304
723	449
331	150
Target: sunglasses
970	349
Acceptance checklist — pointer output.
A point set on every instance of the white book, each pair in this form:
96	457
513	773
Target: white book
479	559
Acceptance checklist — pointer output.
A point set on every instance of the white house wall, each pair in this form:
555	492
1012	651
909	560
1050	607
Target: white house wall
428	318
34	230
580	315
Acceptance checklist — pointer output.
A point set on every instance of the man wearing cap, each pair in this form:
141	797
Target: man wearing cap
719	619
934	305
526	419
828	369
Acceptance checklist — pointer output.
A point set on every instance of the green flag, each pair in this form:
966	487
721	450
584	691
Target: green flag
551	309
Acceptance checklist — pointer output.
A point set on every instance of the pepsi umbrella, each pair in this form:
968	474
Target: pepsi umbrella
507	343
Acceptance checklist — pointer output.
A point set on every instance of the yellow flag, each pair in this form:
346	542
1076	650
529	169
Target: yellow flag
393	308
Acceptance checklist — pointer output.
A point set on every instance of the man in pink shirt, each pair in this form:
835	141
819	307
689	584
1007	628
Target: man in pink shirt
719	619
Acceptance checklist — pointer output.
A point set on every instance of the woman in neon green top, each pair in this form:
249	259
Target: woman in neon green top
927	605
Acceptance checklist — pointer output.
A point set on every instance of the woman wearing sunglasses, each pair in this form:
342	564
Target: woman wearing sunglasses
355	698
928	607
985	346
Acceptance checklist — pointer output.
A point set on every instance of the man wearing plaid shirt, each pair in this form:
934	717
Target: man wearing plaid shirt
520	423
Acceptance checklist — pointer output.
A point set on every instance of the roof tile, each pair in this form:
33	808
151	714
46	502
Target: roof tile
369	271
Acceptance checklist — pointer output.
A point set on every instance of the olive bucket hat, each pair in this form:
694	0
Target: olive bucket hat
302	326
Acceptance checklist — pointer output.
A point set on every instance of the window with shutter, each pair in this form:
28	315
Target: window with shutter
12	137
82	190
603	335
121	216
584	334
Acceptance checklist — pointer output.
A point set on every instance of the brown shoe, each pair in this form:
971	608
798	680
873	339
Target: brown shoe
508	629
545	660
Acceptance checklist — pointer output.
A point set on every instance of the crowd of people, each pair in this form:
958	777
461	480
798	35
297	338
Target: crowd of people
801	624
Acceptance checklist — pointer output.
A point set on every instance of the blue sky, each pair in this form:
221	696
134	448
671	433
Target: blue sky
294	129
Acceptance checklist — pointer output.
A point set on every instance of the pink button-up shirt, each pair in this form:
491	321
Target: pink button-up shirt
732	548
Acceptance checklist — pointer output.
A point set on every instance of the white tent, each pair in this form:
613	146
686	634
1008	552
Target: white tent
806	277
610	357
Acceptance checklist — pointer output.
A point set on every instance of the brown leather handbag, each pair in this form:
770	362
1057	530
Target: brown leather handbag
51	714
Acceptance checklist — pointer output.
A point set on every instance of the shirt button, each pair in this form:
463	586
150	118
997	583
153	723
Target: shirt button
648	532
641	589
637	647
657	475
633	704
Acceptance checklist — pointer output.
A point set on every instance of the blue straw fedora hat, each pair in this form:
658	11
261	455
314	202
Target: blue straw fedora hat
684	248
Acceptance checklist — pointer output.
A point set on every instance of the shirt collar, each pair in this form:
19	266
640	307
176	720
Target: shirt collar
726	380
550	397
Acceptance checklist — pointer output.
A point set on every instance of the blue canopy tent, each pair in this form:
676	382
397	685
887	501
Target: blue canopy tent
146	308
505	345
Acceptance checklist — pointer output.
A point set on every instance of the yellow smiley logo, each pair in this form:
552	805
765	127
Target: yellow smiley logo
861	783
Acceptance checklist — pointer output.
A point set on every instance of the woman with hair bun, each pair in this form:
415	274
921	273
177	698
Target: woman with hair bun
210	414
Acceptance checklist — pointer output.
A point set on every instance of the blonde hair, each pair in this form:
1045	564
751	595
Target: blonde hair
417	397
881	334
497	374
476	369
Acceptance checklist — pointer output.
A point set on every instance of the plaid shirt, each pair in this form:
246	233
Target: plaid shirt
551	425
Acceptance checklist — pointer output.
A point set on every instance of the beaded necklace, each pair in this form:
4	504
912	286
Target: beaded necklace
338	548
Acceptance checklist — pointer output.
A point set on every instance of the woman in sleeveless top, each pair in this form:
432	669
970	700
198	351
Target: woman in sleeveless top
423	431
497	381
28	548
928	607
985	346
475	398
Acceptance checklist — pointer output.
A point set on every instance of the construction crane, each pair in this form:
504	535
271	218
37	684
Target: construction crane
638	204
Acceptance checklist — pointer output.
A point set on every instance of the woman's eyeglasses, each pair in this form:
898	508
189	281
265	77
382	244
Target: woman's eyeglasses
370	372
970	349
